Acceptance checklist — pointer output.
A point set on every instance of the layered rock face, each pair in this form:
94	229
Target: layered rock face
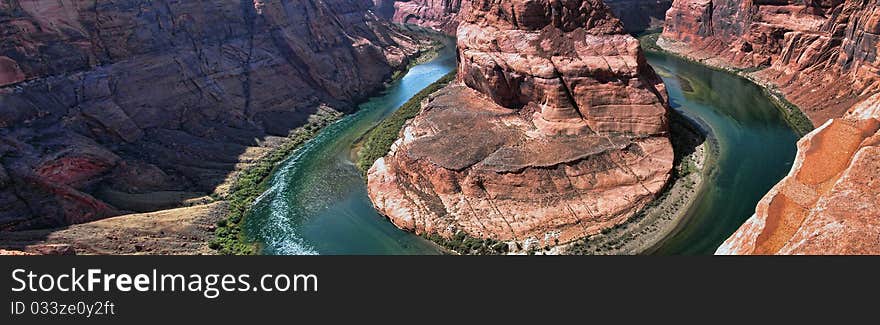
555	130
442	15
828	203
125	100
822	55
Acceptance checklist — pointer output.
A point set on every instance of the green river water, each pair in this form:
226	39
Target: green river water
316	202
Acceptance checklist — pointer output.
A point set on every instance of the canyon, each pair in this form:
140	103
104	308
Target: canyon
556	129
822	56
124	125
111	108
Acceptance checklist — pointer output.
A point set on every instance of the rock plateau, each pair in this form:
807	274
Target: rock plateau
556	129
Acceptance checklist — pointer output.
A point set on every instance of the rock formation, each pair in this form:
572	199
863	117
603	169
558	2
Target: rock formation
555	130
822	55
828	203
113	101
441	15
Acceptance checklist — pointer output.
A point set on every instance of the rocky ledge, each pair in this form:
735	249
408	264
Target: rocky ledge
828	203
556	129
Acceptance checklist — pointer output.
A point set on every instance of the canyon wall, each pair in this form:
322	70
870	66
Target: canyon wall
556	129
129	105
828	203
444	15
640	15
822	55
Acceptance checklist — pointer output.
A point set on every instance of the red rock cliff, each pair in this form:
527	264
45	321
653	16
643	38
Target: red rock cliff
165	97
828	203
556	130
822	55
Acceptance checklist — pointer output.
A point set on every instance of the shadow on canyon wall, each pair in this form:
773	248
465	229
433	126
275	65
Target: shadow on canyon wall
110	108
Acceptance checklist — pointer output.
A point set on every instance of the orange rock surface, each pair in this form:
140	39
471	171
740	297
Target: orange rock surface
828	203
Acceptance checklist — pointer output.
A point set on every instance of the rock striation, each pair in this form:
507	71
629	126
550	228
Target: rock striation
828	202
822	55
556	129
114	101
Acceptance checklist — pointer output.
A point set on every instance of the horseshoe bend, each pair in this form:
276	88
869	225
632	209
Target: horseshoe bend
439	127
555	129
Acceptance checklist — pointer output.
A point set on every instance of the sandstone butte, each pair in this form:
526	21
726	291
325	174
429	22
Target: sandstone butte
828	203
822	55
115	107
556	129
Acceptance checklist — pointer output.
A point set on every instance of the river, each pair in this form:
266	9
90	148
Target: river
317	203
756	148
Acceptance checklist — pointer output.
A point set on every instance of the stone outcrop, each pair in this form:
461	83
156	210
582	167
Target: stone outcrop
822	55
442	15
556	129
828	203
107	100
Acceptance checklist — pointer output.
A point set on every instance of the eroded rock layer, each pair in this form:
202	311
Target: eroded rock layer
822	55
555	130
828	203
152	103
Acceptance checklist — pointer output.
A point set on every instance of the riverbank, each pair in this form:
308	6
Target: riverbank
209	224
652	42
229	238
